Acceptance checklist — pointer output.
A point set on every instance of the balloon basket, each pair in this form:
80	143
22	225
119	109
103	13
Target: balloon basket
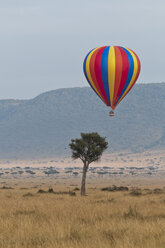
111	113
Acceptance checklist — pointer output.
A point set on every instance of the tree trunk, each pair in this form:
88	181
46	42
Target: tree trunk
83	182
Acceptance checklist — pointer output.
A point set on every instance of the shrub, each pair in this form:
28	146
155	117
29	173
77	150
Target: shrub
41	191
28	194
50	190
76	189
136	192
30	172
158	191
5	187
72	193
75	173
115	188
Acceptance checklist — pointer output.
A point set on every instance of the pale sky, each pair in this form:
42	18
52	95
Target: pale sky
43	42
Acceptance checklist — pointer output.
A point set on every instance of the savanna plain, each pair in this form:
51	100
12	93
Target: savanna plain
45	212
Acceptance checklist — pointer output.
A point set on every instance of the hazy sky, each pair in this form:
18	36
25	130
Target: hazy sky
43	42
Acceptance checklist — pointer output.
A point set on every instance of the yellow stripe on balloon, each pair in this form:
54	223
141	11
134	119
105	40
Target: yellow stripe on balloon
133	76
88	72
111	72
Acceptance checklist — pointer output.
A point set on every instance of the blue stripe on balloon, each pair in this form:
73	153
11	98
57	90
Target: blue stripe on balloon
104	72
130	72
84	67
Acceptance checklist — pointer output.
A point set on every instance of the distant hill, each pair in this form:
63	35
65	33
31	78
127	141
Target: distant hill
43	126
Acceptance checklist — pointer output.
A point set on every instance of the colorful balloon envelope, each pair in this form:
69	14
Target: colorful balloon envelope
111	71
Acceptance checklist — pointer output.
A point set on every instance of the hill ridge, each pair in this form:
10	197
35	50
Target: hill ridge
43	126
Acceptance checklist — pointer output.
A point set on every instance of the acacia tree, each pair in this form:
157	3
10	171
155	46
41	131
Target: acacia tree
88	148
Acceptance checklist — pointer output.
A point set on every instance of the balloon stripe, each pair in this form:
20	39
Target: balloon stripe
139	66
125	68
89	74
111	72
134	76
138	71
93	74
104	72
98	73
84	69
118	73
130	72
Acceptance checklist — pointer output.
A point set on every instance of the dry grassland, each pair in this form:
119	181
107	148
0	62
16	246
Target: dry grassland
100	220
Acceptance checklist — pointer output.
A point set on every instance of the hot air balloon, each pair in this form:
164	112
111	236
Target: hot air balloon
111	71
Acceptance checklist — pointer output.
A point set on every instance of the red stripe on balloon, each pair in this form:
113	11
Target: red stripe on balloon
99	75
92	71
118	72
125	66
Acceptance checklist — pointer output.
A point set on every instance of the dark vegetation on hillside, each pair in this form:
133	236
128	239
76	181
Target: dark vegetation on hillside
44	126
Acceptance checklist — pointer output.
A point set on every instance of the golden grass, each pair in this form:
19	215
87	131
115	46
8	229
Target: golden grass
100	220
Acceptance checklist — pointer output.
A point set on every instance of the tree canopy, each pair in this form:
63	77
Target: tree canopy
89	147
